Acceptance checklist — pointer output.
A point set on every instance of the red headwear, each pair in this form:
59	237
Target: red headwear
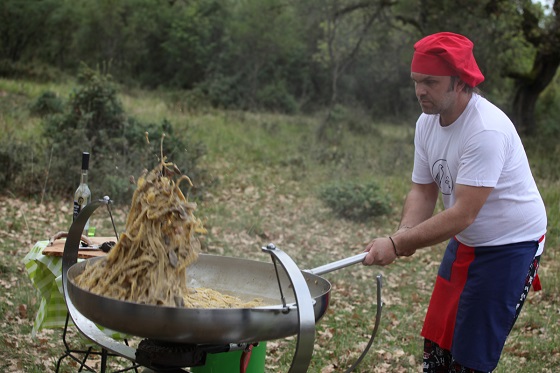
447	54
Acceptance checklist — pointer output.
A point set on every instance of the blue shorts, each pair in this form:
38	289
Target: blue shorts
475	298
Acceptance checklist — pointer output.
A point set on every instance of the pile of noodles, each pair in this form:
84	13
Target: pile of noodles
149	262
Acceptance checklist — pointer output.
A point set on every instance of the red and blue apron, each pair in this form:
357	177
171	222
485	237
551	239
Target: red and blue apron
475	299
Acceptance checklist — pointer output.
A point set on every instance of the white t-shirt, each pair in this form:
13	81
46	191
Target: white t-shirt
482	149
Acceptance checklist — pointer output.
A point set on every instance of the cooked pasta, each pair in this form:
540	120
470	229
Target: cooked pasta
149	262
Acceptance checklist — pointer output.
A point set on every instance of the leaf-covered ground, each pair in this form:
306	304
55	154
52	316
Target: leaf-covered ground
248	211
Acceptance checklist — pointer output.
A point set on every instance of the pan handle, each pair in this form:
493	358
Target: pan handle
337	265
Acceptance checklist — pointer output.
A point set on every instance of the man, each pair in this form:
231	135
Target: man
467	150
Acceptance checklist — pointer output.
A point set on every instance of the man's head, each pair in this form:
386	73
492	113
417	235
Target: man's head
444	72
446	54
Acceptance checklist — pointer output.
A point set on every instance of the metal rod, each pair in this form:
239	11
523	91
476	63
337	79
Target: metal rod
375	328
269	248
337	265
106	198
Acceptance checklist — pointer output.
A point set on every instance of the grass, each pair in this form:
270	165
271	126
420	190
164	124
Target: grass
269	169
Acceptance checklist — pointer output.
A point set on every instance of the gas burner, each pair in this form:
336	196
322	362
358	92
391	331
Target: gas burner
162	355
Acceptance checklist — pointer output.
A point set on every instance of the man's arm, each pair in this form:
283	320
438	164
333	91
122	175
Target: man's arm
419	205
436	229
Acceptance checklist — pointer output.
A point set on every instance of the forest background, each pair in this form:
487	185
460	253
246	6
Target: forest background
284	107
293	57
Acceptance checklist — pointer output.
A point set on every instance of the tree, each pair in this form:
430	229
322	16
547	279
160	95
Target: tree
346	26
263	60
285	55
545	37
22	25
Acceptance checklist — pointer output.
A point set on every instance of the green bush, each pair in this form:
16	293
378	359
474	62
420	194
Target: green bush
35	71
23	166
355	201
223	91
275	97
46	104
94	120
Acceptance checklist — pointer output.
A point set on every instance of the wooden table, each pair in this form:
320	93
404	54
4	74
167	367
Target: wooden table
57	248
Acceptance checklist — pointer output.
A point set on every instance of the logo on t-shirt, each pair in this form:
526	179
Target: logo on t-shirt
442	176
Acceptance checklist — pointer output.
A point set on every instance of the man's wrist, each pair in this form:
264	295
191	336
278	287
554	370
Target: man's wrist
394	247
398	246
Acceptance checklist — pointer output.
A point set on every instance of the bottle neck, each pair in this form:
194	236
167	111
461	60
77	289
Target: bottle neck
84	180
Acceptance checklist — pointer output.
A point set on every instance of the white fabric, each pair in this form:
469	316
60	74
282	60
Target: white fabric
540	249
482	148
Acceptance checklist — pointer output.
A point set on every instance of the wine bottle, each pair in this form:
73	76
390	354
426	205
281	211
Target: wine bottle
83	195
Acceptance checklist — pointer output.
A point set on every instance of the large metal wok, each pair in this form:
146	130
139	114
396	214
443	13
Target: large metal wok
295	300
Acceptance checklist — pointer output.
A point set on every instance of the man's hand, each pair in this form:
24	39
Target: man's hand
380	252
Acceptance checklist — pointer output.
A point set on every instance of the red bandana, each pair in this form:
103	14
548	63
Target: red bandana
447	54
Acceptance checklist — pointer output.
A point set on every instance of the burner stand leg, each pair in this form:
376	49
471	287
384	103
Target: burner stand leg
69	352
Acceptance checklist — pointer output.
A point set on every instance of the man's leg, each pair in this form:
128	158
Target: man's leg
438	360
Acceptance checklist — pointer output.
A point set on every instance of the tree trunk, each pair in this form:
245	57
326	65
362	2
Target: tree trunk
528	89
339	63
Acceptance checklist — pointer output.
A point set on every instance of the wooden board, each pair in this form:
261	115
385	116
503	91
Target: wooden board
57	248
